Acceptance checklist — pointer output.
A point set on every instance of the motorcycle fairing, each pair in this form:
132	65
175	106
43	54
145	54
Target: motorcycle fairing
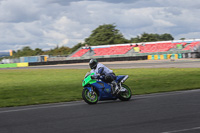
104	90
119	78
88	80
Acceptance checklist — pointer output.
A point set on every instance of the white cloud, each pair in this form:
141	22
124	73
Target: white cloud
48	23
190	35
18	11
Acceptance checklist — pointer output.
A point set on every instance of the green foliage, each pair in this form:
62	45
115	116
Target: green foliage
104	35
38	51
58	51
182	39
27	51
145	37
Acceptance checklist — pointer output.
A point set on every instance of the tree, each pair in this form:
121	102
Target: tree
58	51
146	37
182	39
25	51
104	35
166	37
38	51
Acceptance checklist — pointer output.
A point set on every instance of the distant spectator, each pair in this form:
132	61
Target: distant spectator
86	46
136	49
136	45
90	49
174	46
195	49
191	48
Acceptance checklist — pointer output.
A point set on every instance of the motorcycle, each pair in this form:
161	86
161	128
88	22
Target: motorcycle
95	89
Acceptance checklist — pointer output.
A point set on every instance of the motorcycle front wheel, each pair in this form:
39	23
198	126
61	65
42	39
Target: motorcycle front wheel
90	97
125	95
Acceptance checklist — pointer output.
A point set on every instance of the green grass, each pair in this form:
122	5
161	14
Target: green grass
36	86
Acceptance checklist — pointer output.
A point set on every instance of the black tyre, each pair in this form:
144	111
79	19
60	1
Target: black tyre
90	97
126	95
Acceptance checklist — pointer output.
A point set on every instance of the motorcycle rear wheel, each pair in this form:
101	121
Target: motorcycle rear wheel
125	96
90	97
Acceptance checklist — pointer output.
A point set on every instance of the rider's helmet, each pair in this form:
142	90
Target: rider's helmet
93	63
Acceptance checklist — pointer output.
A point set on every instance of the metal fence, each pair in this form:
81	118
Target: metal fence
42	58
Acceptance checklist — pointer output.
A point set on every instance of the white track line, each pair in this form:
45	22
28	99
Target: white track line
183	130
44	106
56	105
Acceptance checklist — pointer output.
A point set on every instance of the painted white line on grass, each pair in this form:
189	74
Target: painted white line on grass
183	130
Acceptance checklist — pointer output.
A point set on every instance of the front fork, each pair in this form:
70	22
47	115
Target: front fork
91	90
113	89
120	83
120	87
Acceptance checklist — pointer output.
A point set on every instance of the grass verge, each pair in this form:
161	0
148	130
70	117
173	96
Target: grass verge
36	86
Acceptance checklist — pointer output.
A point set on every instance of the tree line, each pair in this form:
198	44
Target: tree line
27	51
106	34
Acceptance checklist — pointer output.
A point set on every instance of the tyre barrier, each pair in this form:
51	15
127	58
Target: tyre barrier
164	56
174	56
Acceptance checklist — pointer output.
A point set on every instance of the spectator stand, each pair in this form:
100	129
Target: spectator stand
112	50
139	49
193	46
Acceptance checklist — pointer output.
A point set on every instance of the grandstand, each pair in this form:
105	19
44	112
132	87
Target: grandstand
80	53
192	45
112	50
140	48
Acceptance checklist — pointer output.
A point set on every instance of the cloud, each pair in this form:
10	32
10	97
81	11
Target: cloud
18	10
48	23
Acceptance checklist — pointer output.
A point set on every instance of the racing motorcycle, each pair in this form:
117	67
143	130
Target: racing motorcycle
95	89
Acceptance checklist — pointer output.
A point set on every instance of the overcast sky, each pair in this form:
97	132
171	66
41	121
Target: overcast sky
47	23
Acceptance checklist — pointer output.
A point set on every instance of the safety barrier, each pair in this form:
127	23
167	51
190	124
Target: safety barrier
14	65
157	56
102	59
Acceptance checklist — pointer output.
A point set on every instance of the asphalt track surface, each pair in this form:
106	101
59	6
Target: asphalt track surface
173	112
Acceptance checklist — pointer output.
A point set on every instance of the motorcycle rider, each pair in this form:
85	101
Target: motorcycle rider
108	74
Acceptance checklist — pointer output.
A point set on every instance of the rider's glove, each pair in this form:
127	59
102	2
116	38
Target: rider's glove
93	77
96	76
